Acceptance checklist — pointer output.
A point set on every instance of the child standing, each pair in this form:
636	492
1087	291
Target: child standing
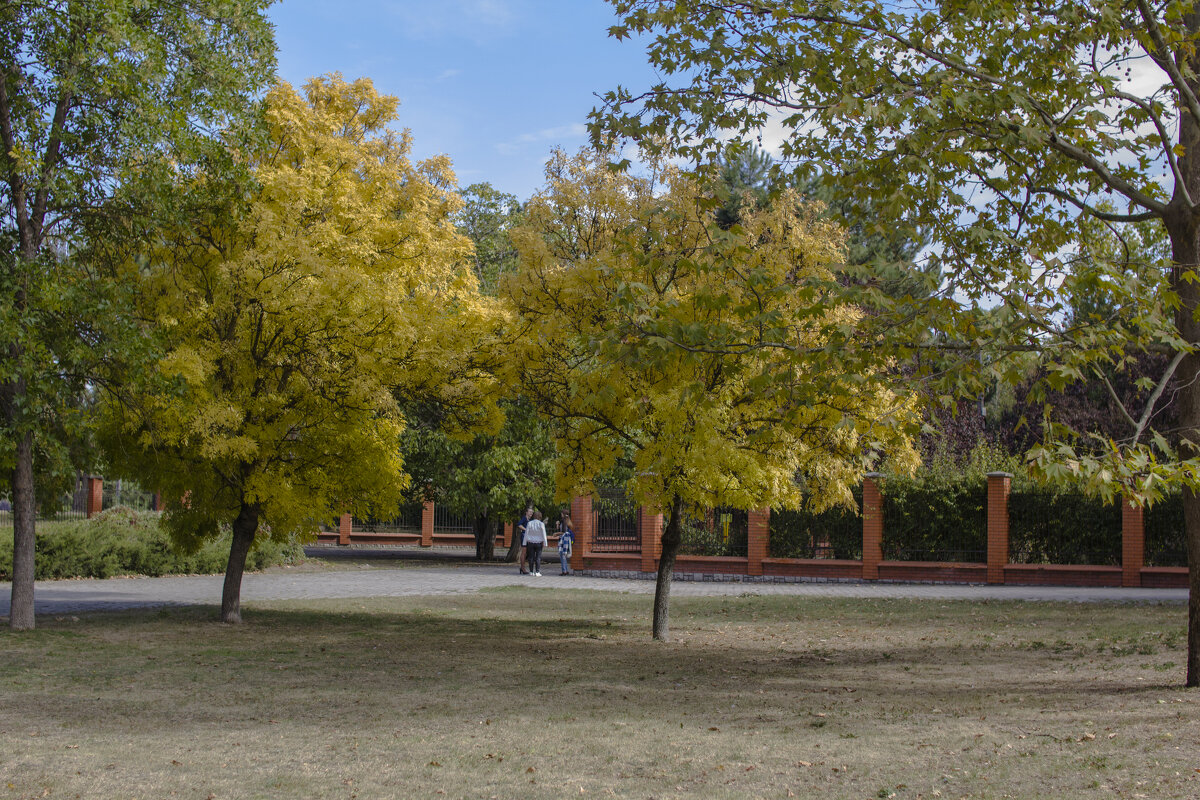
566	543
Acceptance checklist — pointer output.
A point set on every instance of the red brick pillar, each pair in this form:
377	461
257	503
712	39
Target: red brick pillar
505	535
95	496
872	526
581	521
757	544
427	524
1133	544
998	485
650	528
345	528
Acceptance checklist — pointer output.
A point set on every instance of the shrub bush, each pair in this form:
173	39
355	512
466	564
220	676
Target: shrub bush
121	541
1166	535
1048	525
706	536
937	517
834	533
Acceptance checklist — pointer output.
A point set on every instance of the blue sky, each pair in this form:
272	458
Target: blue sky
495	84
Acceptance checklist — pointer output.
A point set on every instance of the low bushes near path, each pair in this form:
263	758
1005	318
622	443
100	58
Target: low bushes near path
547	693
122	541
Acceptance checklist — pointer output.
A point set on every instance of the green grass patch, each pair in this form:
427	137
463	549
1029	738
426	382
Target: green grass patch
539	693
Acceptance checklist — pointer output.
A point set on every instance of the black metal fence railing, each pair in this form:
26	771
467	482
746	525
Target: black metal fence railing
834	533
938	523
406	520
1166	533
447	521
1046	526
126	494
715	532
615	522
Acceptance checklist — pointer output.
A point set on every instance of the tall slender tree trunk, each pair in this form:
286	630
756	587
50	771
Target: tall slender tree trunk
485	538
244	528
671	537
24	505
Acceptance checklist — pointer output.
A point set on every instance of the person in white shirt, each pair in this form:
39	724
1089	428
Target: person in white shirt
535	540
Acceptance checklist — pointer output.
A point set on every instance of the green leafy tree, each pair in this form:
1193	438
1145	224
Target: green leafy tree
290	318
997	127
492	476
486	216
647	333
85	87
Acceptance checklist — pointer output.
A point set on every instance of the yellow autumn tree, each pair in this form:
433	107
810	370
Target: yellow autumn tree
294	319
648	334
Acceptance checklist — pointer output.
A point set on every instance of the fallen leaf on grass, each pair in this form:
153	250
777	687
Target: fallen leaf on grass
434	764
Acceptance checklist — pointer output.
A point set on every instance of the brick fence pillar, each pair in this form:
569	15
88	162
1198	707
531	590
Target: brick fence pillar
581	521
1133	543
650	527
505	535
757	544
872	525
345	528
95	496
427	524
998	486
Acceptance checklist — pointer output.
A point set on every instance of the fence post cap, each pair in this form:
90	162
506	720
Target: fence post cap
999	474
875	475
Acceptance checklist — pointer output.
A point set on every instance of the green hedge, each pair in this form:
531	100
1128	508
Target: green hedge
1054	526
935	518
834	533
121	541
1166	535
706	536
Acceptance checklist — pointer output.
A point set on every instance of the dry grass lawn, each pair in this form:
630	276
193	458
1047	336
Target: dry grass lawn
548	694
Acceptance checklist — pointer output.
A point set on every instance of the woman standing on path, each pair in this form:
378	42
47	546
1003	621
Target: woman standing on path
535	540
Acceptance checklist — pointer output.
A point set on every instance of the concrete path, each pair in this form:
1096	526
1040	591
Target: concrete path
446	577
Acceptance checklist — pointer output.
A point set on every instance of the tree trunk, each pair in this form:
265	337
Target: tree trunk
24	507
1183	228
514	546
485	538
244	528
1185	252
671	538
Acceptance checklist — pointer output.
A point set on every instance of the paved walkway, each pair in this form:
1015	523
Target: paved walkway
440	577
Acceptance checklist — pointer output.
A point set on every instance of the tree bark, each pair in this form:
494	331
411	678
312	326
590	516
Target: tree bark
244	528
485	538
21	617
671	538
1185	252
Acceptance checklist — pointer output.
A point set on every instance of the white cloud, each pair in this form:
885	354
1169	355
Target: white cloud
476	20
556	136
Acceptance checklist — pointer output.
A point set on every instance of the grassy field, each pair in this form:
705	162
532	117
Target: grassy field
548	694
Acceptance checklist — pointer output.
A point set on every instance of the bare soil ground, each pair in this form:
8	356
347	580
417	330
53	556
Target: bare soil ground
524	693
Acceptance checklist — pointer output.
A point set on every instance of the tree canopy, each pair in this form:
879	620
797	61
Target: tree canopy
647	333
292	319
88	88
996	127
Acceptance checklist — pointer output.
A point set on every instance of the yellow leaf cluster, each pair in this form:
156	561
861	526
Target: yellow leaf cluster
293	319
649	334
